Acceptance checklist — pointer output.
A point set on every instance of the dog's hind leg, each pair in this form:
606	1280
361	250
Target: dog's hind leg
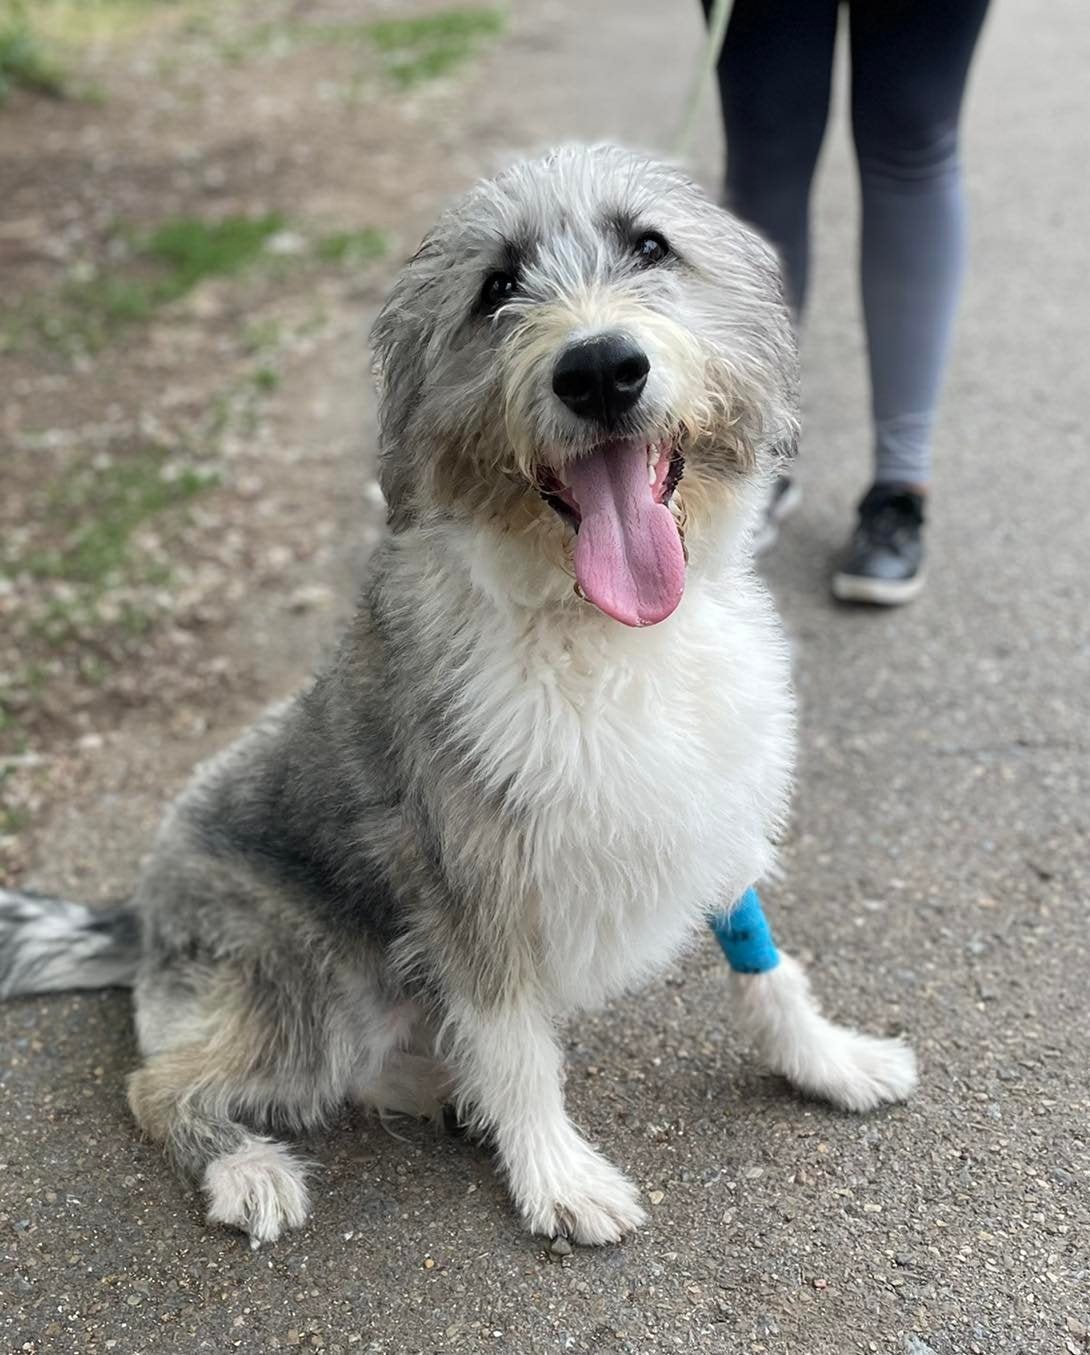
416	1085
231	1058
779	1014
398	1072
251	1181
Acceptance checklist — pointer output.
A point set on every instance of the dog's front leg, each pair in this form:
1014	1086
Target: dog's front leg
507	1068
781	1016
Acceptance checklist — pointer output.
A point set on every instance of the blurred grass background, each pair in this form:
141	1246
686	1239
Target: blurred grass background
40	42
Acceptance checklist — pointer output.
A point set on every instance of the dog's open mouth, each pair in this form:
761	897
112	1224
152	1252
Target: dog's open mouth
628	555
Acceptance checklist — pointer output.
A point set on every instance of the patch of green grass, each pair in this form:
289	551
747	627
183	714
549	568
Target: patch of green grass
9	719
193	250
97	511
99	590
92	670
115	301
261	336
265	379
80	23
409	51
362	246
424	48
24	60
42	41
13	818
163	266
31	680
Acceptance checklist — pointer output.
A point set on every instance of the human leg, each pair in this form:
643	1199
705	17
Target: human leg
775	74
910	63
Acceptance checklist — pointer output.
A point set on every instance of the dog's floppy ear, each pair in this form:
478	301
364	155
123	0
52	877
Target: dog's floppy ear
399	339
786	448
774	355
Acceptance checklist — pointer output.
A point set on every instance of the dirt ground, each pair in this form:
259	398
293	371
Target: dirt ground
192	245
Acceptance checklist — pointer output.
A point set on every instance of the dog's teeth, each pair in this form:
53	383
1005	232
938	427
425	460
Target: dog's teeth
652	464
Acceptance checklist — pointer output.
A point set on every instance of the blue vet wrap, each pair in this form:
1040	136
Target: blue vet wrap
745	936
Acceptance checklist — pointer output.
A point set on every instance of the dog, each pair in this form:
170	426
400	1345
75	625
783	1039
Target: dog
557	735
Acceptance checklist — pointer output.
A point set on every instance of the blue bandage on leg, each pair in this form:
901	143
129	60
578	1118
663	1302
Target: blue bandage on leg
745	936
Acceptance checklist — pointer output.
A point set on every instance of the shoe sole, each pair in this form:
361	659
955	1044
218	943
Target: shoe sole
878	592
784	506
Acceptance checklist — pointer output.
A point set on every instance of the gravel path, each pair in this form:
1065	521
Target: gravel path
937	874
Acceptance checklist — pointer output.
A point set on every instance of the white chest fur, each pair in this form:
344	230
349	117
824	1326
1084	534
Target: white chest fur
647	768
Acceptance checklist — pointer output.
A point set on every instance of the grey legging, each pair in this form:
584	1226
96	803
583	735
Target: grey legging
909	63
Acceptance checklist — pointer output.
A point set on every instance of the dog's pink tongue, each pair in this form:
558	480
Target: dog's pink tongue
628	555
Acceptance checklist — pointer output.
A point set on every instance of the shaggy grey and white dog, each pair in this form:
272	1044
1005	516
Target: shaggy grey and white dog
556	736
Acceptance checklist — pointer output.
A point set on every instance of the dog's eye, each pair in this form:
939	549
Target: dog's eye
498	288
651	248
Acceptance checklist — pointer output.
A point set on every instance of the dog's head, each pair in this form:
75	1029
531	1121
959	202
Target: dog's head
588	352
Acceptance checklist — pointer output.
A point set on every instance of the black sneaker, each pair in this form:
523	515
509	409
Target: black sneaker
784	498
884	562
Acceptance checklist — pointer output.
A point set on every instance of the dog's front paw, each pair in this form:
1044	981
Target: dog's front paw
831	1062
857	1072
583	1197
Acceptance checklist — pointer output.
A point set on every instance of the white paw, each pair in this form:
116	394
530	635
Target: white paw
853	1071
582	1196
856	1072
260	1188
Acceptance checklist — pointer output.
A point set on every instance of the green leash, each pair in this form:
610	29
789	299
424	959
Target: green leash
709	59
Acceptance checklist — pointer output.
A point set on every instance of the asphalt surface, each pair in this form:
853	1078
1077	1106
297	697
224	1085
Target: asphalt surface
936	880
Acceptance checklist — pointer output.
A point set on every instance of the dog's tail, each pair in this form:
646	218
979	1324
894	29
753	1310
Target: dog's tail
49	945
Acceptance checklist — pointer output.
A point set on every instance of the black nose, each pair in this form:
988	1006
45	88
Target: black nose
601	378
